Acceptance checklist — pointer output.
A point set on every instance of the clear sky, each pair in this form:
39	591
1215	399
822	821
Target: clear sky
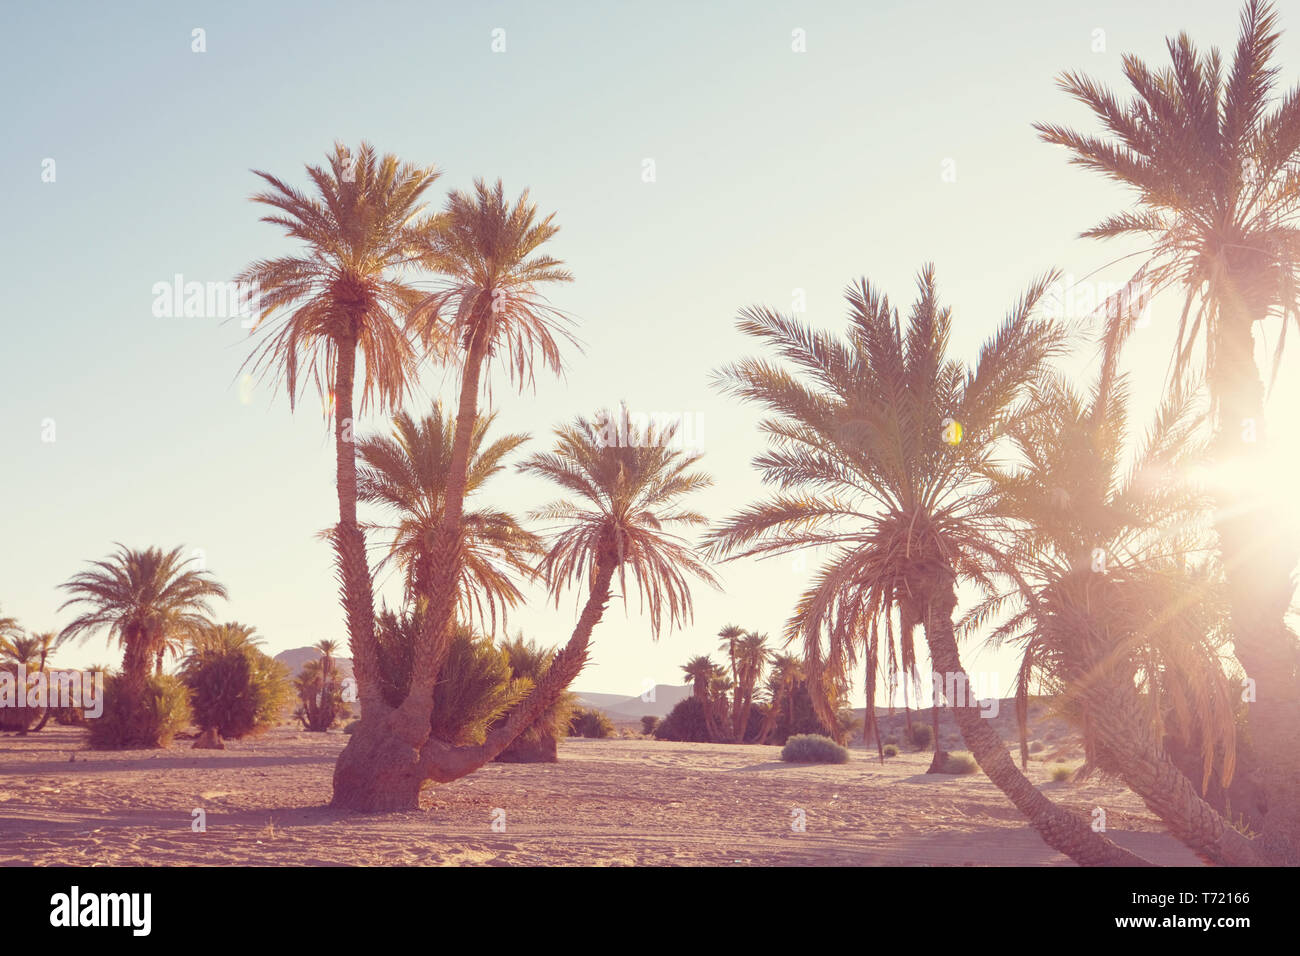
775	171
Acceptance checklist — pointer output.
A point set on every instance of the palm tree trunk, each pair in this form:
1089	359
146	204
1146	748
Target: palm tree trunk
1257	564
1060	829
412	719
940	755
349	541
444	763
769	720
1129	748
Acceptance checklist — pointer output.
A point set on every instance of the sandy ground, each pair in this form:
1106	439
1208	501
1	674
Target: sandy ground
607	802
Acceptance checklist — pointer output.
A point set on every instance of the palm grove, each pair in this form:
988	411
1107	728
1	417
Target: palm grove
1144	600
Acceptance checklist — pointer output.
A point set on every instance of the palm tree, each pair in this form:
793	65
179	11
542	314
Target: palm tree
699	671
718	703
625	502
344	293
142	598
9	627
229	636
21	651
754	655
730	634
1213	160
786	675
1133	639
407	474
489	305
877	442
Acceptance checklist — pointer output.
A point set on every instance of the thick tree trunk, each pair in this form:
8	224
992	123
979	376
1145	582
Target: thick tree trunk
382	775
1258	559
1062	830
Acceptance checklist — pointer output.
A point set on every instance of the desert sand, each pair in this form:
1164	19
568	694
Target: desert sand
607	802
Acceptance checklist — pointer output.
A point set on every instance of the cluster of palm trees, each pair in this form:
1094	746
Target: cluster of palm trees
1145	598
728	693
25	653
1123	585
347	314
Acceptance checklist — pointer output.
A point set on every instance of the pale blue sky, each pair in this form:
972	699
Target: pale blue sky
776	171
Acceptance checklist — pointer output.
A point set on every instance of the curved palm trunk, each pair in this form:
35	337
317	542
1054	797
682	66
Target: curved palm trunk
1130	748
1257	568
1062	830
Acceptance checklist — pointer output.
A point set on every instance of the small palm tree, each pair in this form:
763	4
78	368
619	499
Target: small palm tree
345	293
1213	159
877	442
140	598
626	499
235	689
699	671
786	674
407	474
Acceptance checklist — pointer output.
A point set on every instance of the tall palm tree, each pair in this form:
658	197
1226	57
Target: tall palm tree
729	635
877	441
754	655
344	293
625	502
489	305
1213	159
1106	603
140	597
407	475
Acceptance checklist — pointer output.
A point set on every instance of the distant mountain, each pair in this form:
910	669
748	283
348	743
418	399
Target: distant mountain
619	707
296	658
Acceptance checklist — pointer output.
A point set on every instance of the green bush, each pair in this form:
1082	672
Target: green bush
1036	747
1061	774
235	688
959	764
150	721
922	736
590	723
890	750
648	724
539	742
685	722
813	748
474	688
